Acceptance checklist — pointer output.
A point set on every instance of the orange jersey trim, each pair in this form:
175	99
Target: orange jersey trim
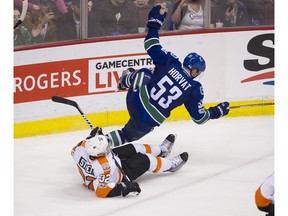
102	189
260	200
83	144
103	192
79	144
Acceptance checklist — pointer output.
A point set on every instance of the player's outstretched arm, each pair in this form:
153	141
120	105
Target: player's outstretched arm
156	17
151	42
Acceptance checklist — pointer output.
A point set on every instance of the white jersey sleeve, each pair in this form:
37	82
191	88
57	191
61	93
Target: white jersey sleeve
264	195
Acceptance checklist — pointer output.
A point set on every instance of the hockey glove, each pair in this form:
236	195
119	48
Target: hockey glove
129	187
124	81
220	110
94	132
155	18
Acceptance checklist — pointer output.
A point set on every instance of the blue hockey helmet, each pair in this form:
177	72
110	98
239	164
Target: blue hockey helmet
194	61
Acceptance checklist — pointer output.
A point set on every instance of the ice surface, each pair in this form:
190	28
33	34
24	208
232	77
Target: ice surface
229	158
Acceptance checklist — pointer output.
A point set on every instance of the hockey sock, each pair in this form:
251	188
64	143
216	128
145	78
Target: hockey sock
117	138
145	148
158	164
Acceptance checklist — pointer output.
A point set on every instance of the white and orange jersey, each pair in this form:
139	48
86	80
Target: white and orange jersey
264	195
99	174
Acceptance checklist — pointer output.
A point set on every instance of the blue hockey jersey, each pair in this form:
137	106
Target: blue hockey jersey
170	86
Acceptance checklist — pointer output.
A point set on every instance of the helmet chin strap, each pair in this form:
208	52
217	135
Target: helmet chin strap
197	73
188	71
191	75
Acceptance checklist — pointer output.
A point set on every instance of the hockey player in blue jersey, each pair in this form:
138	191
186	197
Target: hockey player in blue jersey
154	93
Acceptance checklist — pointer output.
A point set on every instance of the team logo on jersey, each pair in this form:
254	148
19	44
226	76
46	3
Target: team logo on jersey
105	166
102	185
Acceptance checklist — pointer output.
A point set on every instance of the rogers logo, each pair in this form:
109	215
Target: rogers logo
46	81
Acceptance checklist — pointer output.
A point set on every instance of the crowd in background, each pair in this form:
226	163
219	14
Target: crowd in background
60	20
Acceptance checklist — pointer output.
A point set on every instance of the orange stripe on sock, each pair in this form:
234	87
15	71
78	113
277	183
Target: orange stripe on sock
159	165
148	148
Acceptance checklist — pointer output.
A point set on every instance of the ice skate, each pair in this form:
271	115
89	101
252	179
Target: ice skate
178	162
167	145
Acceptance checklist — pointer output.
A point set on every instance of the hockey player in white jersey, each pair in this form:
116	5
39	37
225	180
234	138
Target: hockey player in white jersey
111	172
264	196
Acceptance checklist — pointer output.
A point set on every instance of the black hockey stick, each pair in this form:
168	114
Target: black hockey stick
74	104
251	105
126	178
62	100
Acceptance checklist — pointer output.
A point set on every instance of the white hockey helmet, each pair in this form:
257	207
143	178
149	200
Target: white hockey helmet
98	146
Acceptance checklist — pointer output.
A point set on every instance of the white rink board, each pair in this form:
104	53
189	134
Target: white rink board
224	53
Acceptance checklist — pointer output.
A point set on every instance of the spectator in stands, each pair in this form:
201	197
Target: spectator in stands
41	23
22	35
256	11
141	3
235	14
68	25
115	17
188	14
59	8
143	7
91	6
34	5
269	12
168	7
218	8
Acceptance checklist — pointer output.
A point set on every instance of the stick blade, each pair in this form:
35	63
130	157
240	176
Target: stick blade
58	99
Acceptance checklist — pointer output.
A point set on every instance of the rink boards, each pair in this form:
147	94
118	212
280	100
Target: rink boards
240	69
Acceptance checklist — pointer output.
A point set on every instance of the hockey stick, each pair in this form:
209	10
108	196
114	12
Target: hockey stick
23	13
251	105
126	178
74	104
66	101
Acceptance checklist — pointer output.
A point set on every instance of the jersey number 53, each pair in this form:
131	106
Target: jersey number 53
164	95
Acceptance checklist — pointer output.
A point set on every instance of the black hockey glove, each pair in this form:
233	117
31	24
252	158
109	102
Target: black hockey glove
129	187
220	110
155	18
94	132
268	209
271	210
